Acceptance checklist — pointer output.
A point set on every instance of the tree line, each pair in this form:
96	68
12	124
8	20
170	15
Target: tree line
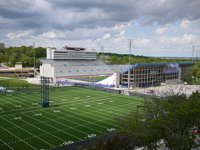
23	54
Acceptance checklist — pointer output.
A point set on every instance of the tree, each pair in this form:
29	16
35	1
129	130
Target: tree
167	123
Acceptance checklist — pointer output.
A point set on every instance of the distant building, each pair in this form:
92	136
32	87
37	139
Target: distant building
151	74
17	71
72	62
2	45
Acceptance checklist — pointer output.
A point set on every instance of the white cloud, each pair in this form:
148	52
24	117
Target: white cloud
49	35
161	30
106	36
185	24
19	34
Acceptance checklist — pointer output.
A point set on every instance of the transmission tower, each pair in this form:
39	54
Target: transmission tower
44	91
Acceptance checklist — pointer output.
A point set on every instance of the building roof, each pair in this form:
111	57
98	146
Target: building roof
156	64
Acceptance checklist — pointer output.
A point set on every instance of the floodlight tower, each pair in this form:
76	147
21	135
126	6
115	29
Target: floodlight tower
44	91
129	59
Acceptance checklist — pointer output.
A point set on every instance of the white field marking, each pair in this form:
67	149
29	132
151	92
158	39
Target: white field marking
29	138
67	143
56	111
79	100
81	120
74	122
18	106
82	101
38	114
99	103
104	110
70	126
19	138
91	135
34	104
64	118
42	129
6	144
83	114
55	127
86	105
5	105
111	129
116	105
50	132
93	114
17	118
28	132
72	108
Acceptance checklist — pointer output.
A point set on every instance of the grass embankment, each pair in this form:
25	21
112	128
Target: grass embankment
15	82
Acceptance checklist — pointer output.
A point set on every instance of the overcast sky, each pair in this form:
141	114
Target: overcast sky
156	27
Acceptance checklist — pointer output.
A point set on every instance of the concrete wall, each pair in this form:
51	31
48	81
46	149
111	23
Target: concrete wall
47	70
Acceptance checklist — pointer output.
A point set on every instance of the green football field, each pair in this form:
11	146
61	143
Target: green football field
74	114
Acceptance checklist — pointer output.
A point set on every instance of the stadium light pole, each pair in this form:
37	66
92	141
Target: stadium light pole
34	58
130	44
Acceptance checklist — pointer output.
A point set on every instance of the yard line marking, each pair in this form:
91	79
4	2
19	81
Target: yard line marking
112	110
70	126
96	106
7	144
75	101
19	138
77	123
42	129
55	127
37	107
28	132
90	117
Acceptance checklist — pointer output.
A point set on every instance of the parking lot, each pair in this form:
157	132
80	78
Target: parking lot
168	89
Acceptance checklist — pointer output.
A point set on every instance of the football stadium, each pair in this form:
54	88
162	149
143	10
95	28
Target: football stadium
62	110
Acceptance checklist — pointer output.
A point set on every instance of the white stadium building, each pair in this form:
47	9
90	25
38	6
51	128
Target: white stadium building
74	62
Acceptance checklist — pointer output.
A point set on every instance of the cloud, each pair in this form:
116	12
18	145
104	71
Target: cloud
49	35
97	21
106	36
19	34
185	24
161	30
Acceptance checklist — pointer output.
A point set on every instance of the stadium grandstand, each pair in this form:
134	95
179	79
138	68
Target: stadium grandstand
150	74
72	62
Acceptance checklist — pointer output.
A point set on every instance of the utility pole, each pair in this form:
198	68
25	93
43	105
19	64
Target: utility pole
130	45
